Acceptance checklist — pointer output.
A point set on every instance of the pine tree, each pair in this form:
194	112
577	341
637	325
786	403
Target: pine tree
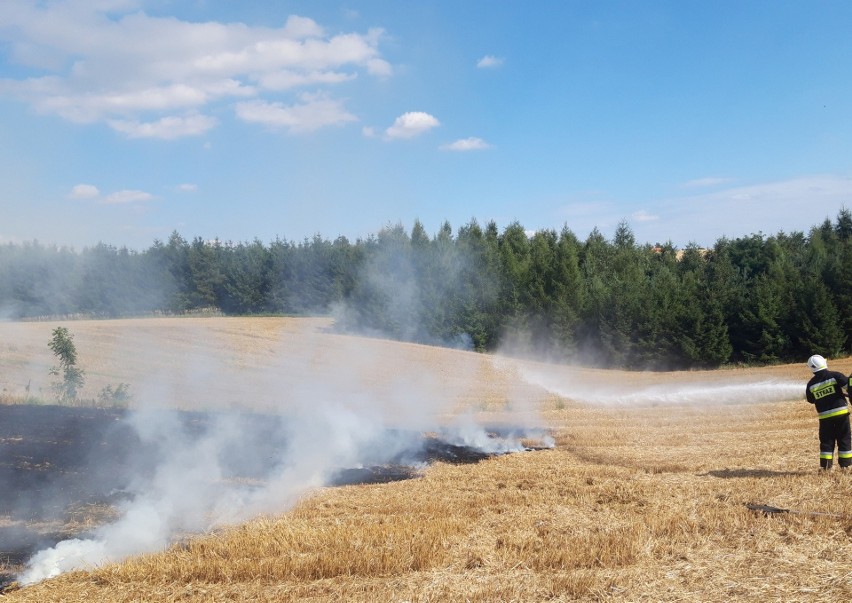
205	264
569	298
818	325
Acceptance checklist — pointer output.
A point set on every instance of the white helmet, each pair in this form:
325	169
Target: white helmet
817	363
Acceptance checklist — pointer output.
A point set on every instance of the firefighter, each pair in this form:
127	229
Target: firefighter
825	391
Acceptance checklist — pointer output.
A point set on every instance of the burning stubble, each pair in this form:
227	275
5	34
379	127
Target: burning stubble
314	404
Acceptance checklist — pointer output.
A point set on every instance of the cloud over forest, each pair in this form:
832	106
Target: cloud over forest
146	76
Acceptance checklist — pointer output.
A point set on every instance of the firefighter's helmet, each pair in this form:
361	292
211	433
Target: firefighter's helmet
817	363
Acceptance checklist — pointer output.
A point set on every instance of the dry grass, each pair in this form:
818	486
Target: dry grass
213	363
641	503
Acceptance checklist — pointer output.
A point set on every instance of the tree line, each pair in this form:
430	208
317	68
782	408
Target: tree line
611	302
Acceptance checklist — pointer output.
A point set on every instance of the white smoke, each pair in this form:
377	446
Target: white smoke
64	557
341	403
464	430
209	469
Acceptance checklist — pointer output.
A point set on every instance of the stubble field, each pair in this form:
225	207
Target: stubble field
648	493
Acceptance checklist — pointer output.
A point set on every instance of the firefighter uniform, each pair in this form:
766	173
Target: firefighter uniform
825	392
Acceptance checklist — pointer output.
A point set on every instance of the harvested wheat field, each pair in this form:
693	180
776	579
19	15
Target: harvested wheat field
593	485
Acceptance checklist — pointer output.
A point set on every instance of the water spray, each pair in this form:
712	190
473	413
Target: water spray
586	390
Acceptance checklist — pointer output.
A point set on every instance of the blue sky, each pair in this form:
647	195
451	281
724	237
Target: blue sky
124	120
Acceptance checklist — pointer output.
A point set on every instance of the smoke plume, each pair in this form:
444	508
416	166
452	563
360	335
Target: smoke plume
340	403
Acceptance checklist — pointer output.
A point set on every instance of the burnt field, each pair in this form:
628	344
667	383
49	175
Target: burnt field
49	478
65	470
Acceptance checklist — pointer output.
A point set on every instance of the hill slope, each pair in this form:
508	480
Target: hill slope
643	498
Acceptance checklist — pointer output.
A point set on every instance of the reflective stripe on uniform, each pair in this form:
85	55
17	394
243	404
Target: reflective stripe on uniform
844	454
824	388
826	455
834	412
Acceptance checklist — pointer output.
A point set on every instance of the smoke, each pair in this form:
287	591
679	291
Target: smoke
8	311
467	432
326	404
194	485
339	403
408	287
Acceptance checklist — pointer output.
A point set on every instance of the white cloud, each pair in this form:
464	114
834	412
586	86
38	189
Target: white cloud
187	188
582	210
109	61
368	132
127	196
94	107
769	207
411	124
703	217
91	192
466	144
379	67
312	113
287	79
167	128
489	62
84	191
302	27
643	216
705	182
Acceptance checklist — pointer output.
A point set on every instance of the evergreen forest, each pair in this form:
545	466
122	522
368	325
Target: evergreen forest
609	302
